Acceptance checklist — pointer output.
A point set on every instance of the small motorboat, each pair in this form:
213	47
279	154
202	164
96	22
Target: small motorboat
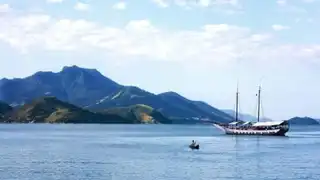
194	146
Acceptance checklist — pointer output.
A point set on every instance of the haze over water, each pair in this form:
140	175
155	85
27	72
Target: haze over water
144	152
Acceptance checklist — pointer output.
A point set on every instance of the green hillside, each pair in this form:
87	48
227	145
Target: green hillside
140	113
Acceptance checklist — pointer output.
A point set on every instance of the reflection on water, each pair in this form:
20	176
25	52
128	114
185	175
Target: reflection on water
155	152
238	161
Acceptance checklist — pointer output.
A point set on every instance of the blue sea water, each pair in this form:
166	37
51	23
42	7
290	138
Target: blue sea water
154	152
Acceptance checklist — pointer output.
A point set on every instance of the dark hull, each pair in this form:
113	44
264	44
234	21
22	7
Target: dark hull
250	132
194	147
280	133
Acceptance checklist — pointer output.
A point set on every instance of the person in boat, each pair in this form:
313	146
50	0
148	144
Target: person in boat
193	143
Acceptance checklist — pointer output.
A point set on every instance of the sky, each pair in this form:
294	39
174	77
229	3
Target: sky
199	48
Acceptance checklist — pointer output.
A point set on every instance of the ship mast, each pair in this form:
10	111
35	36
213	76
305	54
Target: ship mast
237	104
259	92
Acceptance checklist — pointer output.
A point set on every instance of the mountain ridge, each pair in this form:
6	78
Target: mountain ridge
88	88
61	85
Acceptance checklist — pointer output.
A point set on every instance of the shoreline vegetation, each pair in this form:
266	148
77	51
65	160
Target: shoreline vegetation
51	110
84	96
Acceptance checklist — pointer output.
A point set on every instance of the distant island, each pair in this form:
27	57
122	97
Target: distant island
303	121
81	95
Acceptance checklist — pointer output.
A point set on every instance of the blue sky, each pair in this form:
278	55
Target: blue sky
198	48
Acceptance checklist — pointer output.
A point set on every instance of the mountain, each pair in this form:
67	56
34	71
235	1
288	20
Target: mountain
72	84
52	110
4	109
245	117
303	121
194	108
170	104
88	88
139	113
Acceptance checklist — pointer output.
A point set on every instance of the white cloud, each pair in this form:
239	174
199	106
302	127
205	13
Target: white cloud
4	8
82	6
282	2
207	3
308	1
290	7
305	20
161	3
55	1
211	43
198	3
120	6
310	20
278	27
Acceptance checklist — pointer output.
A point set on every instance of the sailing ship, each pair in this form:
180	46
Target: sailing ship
239	127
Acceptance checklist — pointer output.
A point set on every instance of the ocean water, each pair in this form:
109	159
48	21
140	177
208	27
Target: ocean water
154	152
